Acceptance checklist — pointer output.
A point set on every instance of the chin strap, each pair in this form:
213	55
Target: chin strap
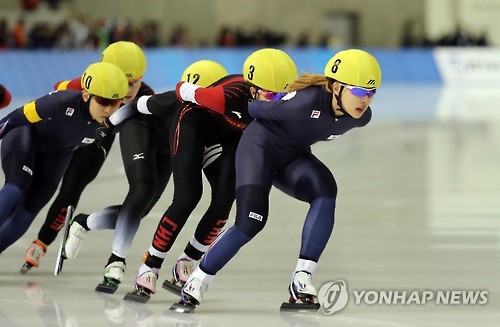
339	101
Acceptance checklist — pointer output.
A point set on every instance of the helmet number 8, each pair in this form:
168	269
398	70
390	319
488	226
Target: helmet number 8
251	71
335	66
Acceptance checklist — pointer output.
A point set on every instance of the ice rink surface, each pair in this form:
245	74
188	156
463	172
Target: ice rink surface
418	210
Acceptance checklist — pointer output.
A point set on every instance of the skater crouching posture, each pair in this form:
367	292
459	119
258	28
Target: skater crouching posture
198	132
276	150
147	161
5	97
86	162
39	139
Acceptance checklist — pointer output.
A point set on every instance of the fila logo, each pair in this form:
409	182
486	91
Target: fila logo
70	111
315	114
138	156
255	216
371	82
87	140
28	170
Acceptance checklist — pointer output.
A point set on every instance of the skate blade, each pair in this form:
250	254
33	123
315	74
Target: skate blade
297	307
25	268
173	288
61	253
136	296
110	289
59	263
182	307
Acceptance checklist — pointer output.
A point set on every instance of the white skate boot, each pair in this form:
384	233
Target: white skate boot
192	295
302	290
182	270
145	285
180	274
113	276
147	280
193	291
33	254
76	235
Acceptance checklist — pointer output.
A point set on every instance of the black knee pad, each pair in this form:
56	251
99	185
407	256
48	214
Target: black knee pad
252	209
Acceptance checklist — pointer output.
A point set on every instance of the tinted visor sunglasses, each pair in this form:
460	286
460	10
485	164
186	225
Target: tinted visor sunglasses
272	96
105	102
360	92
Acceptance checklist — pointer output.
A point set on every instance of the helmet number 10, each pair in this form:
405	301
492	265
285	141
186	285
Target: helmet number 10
87	79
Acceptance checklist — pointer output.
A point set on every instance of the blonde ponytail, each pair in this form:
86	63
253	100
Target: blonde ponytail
306	80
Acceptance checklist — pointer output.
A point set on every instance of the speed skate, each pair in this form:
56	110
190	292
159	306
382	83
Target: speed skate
172	287
299	306
141	296
107	286
61	254
303	295
183	307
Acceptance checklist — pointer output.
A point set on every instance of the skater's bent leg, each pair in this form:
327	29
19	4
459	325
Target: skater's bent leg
318	228
308	179
85	164
141	192
174	219
251	217
54	221
224	250
221	175
10	195
103	219
164	237
14	227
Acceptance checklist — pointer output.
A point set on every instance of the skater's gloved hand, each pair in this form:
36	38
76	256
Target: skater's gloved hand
104	130
186	91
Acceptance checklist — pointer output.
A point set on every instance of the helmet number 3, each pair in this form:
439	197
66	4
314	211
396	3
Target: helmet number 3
251	70
335	66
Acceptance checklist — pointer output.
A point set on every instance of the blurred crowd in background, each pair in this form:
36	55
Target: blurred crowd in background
84	32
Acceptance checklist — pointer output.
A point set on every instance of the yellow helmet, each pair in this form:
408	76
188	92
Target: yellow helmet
105	80
128	56
204	73
354	67
270	69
